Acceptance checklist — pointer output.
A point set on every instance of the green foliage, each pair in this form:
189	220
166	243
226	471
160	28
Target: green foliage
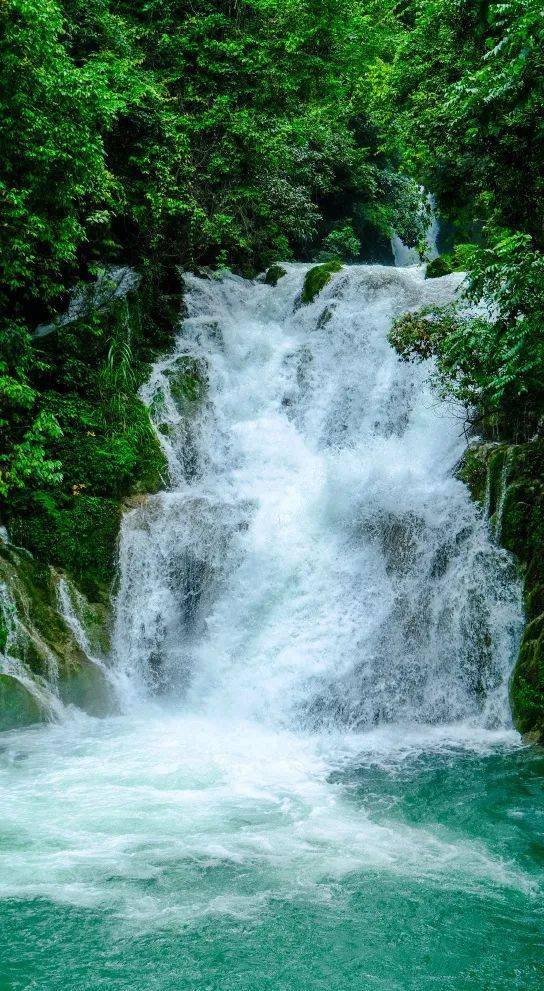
317	278
341	242
28	463
181	131
416	336
77	439
458	260
493	361
461	103
438	267
77	533
161	134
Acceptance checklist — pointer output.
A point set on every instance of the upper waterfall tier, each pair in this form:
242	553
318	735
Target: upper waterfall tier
315	563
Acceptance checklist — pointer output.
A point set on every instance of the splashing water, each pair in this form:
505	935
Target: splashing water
318	565
314	781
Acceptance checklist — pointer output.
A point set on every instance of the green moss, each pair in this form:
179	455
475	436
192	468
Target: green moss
151	472
87	688
187	380
106	459
317	278
44	656
17	705
534	600
473	472
79	536
458	261
496	478
516	517
438	267
30	614
3	629
510	478
274	274
527	688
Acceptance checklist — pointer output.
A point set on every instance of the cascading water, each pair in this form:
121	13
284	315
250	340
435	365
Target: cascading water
315	562
313	782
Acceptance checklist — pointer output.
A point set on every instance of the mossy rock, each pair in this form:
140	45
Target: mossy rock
527	688
510	479
30	609
79	536
274	274
41	647
439	267
534	601
456	261
3	631
473	472
325	317
187	380
87	688
33	594
317	278
17	706
152	475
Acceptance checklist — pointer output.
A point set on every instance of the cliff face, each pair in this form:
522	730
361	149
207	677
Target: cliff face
52	642
508	480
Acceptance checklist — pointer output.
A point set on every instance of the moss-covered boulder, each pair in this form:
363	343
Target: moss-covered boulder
457	260
187	380
18	706
317	278
274	274
438	267
473	471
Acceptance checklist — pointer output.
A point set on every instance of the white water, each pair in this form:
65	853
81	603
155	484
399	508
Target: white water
318	565
315	585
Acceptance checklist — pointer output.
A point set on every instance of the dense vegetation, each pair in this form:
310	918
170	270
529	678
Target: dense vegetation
176	134
462	102
161	134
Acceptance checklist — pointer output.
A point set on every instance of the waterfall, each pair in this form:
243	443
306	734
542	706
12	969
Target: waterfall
403	255
315	627
315	563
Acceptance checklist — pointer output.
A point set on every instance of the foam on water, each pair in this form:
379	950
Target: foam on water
163	818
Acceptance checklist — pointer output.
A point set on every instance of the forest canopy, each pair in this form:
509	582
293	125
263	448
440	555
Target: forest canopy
238	133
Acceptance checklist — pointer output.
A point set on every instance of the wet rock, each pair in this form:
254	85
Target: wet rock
274	274
43	665
317	278
508	480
